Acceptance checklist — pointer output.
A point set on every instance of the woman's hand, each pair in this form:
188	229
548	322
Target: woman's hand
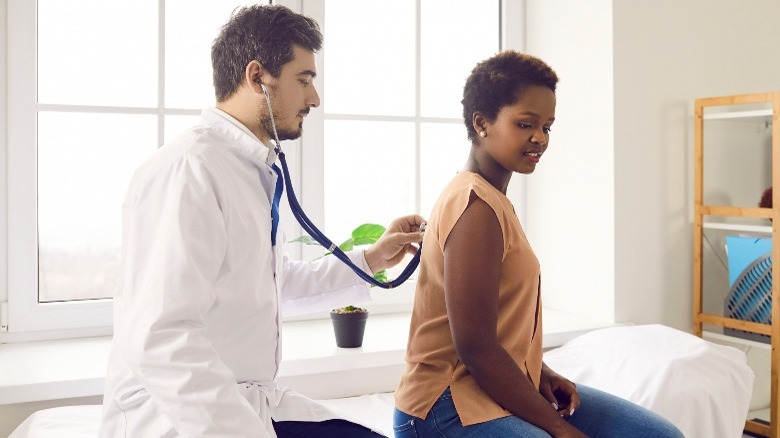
559	391
397	241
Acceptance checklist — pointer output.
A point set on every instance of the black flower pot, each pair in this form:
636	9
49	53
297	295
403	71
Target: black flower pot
349	328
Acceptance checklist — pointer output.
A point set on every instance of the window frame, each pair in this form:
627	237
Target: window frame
27	319
25	314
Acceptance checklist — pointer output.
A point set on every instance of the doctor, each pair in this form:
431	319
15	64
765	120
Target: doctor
197	316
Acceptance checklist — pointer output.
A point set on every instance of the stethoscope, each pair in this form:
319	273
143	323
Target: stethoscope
318	235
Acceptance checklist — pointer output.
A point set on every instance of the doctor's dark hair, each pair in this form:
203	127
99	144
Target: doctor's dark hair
499	81
260	32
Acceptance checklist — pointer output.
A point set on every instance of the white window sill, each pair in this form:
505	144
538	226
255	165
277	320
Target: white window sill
51	370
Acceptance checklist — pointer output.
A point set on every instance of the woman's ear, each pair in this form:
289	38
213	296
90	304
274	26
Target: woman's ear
480	124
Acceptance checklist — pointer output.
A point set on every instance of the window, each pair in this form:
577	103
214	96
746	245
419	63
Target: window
393	79
94	88
392	76
106	84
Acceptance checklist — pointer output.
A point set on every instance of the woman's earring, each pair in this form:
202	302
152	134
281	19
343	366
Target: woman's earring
482	134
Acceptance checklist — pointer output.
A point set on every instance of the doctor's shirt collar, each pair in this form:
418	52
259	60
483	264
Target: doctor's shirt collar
269	156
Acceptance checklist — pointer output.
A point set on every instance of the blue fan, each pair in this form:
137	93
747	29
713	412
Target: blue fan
750	297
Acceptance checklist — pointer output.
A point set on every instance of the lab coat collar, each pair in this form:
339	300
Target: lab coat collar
244	140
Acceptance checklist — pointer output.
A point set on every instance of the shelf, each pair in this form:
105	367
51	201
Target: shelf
764	229
759	413
757	108
715	336
763	113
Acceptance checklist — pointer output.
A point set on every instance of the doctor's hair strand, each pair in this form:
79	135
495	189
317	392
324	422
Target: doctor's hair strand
266	33
499	81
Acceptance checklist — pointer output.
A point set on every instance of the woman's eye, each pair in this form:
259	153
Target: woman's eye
546	129
524	125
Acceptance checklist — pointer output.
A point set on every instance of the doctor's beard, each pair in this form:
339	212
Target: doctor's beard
284	133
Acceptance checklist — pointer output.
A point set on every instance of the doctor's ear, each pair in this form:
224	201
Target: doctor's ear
253	74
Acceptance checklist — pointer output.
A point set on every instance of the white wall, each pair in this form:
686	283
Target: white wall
3	149
570	197
667	53
609	210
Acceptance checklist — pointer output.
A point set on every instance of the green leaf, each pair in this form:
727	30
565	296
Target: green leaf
348	245
305	239
381	276
367	234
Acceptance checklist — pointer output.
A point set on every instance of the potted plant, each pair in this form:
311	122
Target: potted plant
349	325
349	322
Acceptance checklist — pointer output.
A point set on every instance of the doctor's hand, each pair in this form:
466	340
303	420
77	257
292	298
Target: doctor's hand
397	241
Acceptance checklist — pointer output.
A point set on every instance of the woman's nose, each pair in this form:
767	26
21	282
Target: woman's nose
539	137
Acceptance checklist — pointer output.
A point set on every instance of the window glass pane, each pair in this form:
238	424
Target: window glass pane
94	52
190	28
175	125
443	152
455	36
85	162
369	57
369	174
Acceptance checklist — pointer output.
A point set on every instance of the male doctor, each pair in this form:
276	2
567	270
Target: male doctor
197	317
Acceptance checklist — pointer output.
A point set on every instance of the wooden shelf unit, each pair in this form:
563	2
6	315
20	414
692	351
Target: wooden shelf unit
700	210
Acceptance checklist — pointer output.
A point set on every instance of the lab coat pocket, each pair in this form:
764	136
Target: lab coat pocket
141	417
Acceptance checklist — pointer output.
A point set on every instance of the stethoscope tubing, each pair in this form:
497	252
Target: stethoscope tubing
312	230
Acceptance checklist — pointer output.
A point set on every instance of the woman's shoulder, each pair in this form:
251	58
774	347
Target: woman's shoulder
458	192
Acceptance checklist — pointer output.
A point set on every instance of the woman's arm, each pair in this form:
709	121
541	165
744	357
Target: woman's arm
472	270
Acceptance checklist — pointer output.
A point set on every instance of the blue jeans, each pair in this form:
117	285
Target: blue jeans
599	415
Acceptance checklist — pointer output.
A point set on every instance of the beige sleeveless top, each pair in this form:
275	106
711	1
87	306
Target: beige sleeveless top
432	363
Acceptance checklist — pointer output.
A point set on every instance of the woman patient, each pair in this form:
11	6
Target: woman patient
474	359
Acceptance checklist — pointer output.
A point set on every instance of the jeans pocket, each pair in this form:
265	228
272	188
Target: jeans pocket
405	430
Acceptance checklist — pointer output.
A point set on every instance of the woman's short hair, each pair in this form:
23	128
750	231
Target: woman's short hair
499	81
263	33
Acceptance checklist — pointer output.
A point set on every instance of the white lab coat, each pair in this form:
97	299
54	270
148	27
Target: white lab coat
197	318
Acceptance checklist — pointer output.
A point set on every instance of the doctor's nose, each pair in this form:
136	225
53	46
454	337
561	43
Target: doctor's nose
313	99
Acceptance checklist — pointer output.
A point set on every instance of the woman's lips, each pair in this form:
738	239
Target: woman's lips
533	156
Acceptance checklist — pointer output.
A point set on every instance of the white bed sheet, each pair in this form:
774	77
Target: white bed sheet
84	421
701	387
